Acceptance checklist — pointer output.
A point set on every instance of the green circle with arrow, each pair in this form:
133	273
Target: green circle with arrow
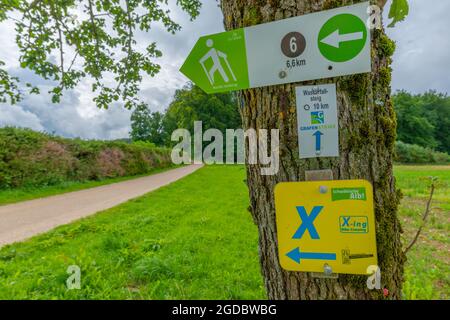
342	38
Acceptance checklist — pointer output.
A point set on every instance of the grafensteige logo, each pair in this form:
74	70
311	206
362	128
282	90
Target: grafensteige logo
317	117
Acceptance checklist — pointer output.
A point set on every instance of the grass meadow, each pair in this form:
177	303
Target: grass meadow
188	241
428	265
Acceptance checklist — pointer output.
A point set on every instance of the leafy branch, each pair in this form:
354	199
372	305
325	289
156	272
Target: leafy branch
97	37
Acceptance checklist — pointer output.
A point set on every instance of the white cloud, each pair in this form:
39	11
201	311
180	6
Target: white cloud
18	117
422	58
74	116
421	62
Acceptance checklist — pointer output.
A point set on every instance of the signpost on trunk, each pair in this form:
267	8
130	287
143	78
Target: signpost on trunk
325	226
319	45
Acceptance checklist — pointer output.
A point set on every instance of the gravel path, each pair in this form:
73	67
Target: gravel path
25	219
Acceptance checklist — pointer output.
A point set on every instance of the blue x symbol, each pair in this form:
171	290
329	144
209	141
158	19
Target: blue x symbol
346	219
307	222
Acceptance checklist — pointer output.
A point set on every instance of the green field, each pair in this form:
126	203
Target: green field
188	241
428	266
183	241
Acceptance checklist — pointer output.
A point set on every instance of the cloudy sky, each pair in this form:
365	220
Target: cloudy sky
421	62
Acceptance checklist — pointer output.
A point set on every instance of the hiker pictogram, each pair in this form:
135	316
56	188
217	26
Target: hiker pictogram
216	56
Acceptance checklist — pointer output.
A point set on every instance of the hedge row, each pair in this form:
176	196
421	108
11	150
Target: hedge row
29	158
414	154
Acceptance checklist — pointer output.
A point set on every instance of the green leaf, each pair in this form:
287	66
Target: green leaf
399	10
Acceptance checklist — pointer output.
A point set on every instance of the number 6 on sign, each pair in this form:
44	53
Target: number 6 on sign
293	44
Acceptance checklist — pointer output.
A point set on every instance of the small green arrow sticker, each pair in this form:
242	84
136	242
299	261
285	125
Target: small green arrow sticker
342	38
218	62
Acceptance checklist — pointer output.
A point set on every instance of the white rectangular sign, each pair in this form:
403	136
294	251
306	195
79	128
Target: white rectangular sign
318	129
320	45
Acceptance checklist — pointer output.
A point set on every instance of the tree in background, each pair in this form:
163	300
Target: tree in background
423	119
147	125
191	104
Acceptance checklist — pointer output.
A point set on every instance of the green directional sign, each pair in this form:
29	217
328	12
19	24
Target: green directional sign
218	62
320	45
342	38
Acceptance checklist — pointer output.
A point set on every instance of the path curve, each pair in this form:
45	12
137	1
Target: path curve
23	220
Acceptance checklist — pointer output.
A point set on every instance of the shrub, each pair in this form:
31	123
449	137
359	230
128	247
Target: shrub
411	153
33	159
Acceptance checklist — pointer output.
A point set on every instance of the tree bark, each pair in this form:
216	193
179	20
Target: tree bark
367	132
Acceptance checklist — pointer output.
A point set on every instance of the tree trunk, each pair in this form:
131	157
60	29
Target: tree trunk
367	130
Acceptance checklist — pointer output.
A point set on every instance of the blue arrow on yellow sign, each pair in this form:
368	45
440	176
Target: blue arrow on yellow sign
297	255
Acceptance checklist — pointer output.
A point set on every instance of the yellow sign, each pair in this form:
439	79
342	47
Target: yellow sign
326	224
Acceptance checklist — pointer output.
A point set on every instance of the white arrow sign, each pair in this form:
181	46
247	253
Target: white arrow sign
335	39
